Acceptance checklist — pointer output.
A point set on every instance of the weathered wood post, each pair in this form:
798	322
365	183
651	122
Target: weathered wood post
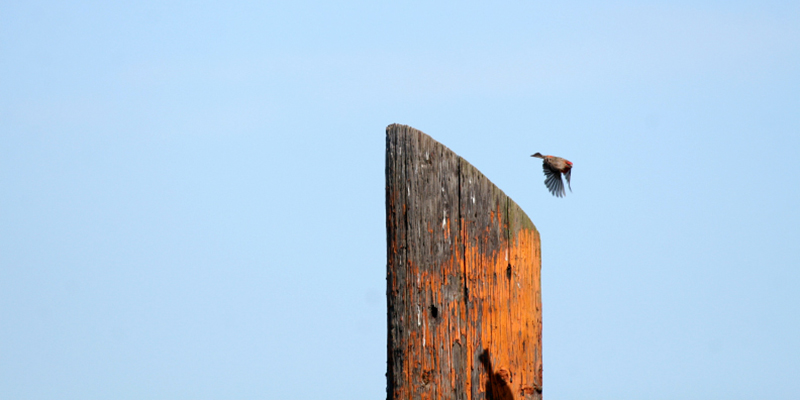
463	279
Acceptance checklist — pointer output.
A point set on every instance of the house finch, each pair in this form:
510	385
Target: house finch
553	168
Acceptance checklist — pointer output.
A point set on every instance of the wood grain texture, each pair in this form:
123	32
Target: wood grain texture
463	279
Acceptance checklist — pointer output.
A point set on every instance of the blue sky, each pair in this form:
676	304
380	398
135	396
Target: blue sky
192	193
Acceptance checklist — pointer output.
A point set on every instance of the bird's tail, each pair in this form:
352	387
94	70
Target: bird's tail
538	155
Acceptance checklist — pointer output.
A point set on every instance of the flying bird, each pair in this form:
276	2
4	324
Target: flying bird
553	168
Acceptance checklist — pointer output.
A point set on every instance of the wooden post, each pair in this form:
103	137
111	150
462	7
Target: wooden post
462	279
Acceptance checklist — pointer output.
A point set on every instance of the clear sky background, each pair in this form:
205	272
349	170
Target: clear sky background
192	193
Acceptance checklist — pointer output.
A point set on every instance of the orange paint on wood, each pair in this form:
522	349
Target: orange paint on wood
464	298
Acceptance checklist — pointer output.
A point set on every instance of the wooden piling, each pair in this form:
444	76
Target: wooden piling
463	279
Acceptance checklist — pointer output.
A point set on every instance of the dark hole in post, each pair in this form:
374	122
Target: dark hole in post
434	311
508	271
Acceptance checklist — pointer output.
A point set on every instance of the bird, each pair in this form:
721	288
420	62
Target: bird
553	168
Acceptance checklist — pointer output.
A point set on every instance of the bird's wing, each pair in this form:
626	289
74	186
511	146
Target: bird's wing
567	175
553	180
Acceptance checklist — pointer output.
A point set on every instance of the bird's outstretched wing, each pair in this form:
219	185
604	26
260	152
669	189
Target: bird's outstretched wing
567	175
553	181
